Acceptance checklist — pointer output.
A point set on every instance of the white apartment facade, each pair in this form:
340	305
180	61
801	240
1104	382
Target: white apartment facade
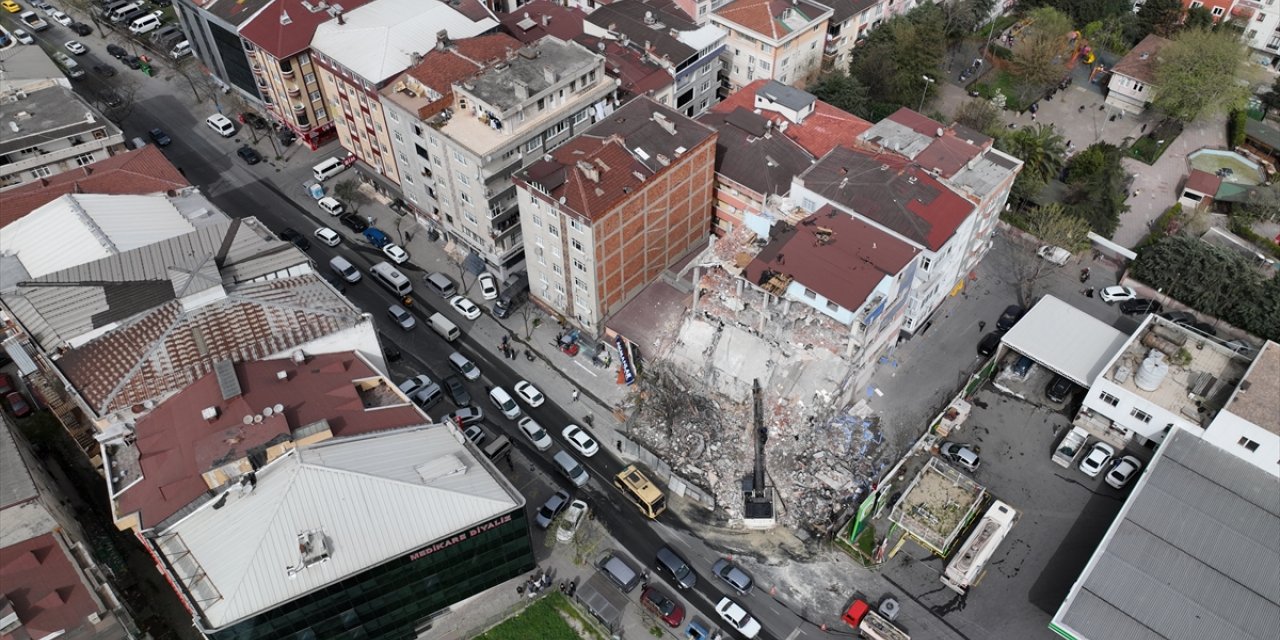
770	39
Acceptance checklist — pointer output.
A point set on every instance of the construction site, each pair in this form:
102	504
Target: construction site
695	408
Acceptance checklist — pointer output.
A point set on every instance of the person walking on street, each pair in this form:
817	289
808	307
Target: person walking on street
982	324
575	395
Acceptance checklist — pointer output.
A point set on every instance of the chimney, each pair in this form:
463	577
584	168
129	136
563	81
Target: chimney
442	36
589	171
341	20
550	74
667	125
521	90
546	19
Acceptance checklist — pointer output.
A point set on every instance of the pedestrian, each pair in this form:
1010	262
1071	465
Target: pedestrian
487	389
982	324
1144	128
618	445
1081	109
575	395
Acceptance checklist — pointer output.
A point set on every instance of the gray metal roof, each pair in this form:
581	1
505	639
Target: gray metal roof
1066	340
16	484
789	97
47	116
1194	554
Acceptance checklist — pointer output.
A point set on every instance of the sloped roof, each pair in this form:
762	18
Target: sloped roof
140	172
42	584
167	348
1140	62
845	268
16	485
370	498
636	74
1066	340
774	19
378	40
235	12
176	444
1191	555
823	130
1262	409
285	28
845	9
532	21
441	68
752	153
627	17
1203	182
892	191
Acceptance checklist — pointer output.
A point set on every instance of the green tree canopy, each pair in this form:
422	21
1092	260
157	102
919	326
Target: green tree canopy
1161	17
896	58
1041	149
1086	11
1040	53
1271	99
844	92
1198	18
980	115
1201	73
1056	226
1098	185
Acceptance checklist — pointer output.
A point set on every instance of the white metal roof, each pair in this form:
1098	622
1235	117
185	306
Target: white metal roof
1192	555
1065	340
373	498
80	228
378	40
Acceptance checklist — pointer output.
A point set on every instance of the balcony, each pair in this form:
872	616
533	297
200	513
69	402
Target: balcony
257	68
293	90
298	107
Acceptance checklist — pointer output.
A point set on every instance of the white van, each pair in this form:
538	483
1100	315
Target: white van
328	169
120	12
145	24
503	401
391	278
180	50
441	325
345	269
221	124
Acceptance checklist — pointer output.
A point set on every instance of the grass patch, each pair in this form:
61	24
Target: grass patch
1150	147
1005	83
539	620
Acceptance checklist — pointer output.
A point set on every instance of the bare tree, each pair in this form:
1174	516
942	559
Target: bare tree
349	192
1053	226
530	321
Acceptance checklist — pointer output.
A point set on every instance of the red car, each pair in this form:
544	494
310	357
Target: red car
664	607
17	404
6	384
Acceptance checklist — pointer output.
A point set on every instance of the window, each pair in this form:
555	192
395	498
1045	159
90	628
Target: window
398	137
1141	415
462	195
532	145
581	116
580	283
1248	444
577	245
310	78
83	159
579	265
831	306
1109	399
433	141
459	158
1218	11
41	172
304	58
315	96
925	263
553	230
558	269
463	180
809	293
764	65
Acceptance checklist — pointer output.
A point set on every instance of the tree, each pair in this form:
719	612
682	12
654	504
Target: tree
962	17
1271	99
1200	74
1053	225
349	192
1086	11
1198	18
1160	17
1042	151
1039	54
896	58
1099	187
980	115
844	92
1261	203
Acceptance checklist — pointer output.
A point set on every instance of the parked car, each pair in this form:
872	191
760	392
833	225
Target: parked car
989	344
11	6
18	405
1185	318
412	385
109	98
159	137
488	286
249	155
1098	457
663	606
1058	389
1138	306
551	508
23	37
457	391
331	206
466	416
402	317
571	520
61	18
1022	367
536	434
1010	317
529	393
353	222
6	384
394	253
465	307
116	51
75	48
1205	328
80	28
328	236
580	440
675	568
475	434
133	62
296	238
732	575
1123	471
738	618
1118	294
960	454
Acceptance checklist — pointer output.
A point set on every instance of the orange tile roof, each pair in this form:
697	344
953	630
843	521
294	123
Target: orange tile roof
140	172
44	588
823	130
1140	62
765	16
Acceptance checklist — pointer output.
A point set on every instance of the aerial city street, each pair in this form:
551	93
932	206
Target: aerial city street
592	319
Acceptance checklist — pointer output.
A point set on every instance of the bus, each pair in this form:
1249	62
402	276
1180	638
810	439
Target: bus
967	567
645	494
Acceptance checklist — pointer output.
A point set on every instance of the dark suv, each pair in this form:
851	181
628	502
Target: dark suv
1141	306
1010	317
1058	389
454	387
671	565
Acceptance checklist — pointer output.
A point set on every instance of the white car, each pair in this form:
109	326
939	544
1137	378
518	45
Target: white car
331	205
536	434
1118	294
580	440
76	48
328	236
529	393
412	385
1123	471
738	618
23	37
467	308
1098	457
488	286
395	253
571	520
61	18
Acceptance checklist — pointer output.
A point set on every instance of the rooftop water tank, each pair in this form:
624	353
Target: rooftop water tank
1152	371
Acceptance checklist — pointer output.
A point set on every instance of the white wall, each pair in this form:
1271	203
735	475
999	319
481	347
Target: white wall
1232	433
1121	413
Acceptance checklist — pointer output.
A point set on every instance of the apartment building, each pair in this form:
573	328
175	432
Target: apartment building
360	51
501	118
277	41
850	22
213	29
657	30
607	212
49	131
781	40
1259	21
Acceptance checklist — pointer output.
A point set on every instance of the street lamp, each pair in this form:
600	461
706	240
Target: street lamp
927	81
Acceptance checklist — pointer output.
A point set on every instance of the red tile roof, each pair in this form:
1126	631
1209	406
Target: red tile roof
949	152
765	16
823	130
636	75
440	68
286	27
846	268
140	172
175	444
1203	182
533	21
44	587
1140	62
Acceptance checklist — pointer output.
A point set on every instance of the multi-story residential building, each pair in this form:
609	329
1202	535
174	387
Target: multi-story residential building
142	171
213	28
604	214
52	587
501	118
319	520
691	54
1259	22
361	51
850	22
743	183
773	39
954	159
277	41
49	131
1132	83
